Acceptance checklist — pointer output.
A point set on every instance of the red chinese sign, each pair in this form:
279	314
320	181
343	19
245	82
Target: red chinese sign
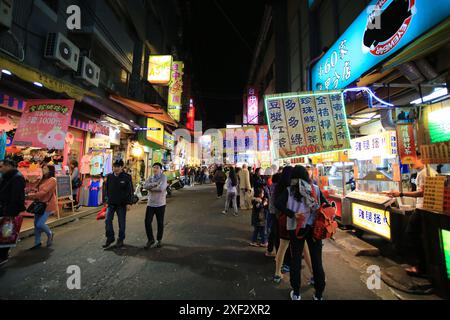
406	143
44	124
191	116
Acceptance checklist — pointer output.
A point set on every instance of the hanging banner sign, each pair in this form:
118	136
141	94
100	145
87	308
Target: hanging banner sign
44	124
175	90
381	30
406	144
169	141
307	123
252	106
368	147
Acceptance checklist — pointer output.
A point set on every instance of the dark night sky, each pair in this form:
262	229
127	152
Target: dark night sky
221	59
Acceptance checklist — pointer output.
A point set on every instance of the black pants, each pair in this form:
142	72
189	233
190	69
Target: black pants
159	212
315	250
414	235
4	253
121	217
219	186
274	238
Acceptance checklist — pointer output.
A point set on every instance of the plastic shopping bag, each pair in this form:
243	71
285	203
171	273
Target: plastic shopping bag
9	231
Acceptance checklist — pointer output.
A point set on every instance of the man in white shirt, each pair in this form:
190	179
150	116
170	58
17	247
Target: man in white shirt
414	227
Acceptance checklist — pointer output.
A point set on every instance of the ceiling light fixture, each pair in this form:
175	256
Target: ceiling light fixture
437	93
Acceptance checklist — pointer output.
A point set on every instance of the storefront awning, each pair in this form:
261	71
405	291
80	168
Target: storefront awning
147	110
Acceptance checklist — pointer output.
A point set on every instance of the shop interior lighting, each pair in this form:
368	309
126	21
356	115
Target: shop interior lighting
38	84
363	118
370	93
437	93
7	72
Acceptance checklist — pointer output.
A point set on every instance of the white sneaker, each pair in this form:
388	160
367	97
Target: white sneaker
315	298
224	212
295	297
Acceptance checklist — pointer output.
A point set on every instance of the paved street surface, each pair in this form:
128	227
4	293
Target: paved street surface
205	256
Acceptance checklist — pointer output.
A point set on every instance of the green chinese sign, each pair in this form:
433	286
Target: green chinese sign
445	235
439	125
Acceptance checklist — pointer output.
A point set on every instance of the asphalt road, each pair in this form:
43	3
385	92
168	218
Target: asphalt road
205	256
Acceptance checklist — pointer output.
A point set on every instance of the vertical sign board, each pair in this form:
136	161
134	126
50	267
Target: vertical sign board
44	124
175	90
191	116
252	106
406	143
381	30
307	123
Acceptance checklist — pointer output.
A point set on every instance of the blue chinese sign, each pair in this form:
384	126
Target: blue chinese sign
381	30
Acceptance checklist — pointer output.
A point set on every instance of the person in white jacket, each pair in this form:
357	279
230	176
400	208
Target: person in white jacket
231	183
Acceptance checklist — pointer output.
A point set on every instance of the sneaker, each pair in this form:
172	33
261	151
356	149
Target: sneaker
311	281
108	243
235	214
36	246
253	244
149	244
316	298
285	269
295	297
156	244
119	244
3	262
50	240
277	279
224	212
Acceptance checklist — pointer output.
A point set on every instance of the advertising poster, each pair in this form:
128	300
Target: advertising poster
307	123
44	124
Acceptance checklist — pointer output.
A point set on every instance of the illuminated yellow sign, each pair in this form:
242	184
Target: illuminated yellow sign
175	90
155	132
371	219
159	69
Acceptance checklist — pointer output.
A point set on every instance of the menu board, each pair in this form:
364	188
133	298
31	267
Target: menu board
63	186
307	123
433	198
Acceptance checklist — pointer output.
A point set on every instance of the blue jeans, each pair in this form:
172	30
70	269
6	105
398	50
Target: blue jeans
259	231
121	216
41	226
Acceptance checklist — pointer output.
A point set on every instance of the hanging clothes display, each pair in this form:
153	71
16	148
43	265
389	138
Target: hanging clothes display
85	166
107	163
91	194
97	165
94	190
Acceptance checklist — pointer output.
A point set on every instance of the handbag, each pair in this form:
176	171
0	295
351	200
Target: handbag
37	208
9	231
76	183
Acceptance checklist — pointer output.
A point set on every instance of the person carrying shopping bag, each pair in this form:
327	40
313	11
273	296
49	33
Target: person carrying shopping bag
45	204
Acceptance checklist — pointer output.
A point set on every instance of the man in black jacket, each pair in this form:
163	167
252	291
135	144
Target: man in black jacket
117	193
12	196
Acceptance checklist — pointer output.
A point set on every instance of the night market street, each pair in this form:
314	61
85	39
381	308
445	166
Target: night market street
205	256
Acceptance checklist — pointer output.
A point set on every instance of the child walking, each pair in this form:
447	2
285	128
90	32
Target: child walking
260	203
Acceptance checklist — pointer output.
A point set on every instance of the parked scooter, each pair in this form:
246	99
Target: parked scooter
140	194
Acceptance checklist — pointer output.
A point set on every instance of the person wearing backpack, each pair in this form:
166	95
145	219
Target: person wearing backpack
232	183
300	204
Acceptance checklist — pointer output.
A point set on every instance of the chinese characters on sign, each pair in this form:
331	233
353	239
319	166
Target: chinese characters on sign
406	143
169	141
305	124
365	148
44	124
252	106
372	220
368	41
159	69
175	90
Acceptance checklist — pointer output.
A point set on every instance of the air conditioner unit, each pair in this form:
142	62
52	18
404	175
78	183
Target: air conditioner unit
6	8
64	52
89	72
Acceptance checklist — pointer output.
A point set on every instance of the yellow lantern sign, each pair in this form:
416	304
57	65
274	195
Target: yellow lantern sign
159	69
